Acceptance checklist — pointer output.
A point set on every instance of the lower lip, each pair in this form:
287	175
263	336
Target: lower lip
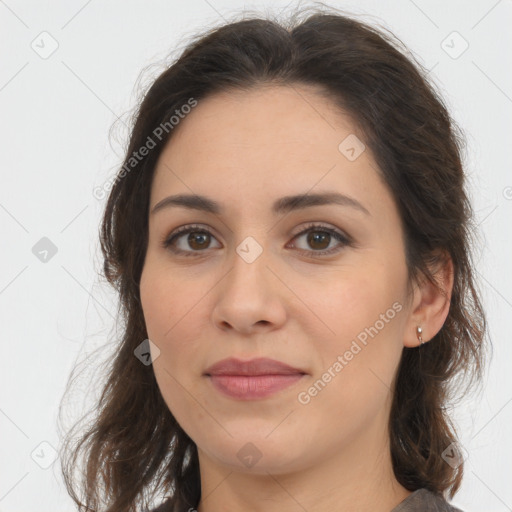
253	387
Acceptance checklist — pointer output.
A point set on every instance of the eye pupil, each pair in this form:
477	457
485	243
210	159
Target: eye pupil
314	237
197	236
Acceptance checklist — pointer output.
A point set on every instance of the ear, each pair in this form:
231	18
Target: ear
430	305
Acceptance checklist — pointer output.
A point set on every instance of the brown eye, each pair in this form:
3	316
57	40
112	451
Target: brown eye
319	239
198	240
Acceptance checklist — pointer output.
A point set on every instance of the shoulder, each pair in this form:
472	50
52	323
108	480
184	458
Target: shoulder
423	500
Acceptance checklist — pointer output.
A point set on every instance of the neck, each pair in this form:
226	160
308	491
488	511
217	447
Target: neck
359	479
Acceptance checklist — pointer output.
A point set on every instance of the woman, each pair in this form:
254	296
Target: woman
290	238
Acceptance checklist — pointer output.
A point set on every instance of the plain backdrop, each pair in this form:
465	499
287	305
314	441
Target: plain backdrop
68	71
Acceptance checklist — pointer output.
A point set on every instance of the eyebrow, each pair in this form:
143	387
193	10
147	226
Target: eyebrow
280	206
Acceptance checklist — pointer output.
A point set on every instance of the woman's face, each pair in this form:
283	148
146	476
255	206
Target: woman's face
251	282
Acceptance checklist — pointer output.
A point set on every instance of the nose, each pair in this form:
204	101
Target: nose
250	298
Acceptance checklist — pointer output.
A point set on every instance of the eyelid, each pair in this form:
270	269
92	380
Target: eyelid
319	225
344	240
341	236
167	240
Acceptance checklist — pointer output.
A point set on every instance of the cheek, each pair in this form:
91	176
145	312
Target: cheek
362	321
357	363
172	314
168	314
350	303
163	308
168	304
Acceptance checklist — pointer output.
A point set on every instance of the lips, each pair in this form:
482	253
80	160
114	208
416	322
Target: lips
260	366
254	379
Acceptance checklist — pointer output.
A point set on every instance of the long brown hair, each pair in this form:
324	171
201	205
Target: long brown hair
134	448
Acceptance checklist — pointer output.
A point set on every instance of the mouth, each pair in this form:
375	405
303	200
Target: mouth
253	367
253	387
253	379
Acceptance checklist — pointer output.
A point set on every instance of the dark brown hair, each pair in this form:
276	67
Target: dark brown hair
134	447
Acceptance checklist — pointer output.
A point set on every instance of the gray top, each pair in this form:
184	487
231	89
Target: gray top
421	500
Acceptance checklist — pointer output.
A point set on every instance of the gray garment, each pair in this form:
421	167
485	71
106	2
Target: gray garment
423	500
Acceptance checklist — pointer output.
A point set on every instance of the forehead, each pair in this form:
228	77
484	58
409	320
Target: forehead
265	116
265	143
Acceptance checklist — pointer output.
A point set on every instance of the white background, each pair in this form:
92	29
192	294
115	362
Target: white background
54	127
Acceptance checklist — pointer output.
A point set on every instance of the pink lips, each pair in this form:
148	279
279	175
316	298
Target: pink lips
254	379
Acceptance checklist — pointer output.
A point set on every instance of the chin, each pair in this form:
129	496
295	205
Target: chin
261	454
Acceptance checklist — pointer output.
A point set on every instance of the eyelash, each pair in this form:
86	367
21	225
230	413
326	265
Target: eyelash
340	237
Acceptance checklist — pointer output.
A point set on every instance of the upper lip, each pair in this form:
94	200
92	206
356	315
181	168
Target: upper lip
259	366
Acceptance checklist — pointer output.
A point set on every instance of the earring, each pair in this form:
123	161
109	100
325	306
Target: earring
419	330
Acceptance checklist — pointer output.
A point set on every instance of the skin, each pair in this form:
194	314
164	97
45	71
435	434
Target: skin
245	150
